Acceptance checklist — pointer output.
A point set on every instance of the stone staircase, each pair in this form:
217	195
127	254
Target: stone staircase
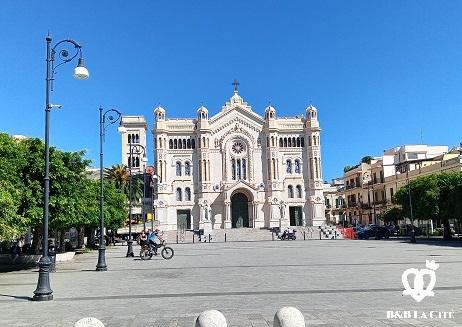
245	234
330	232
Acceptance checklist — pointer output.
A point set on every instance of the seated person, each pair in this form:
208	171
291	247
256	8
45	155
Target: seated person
152	240
143	238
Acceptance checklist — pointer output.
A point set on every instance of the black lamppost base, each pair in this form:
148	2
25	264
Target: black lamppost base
42	297
413	240
43	291
101	266
130	249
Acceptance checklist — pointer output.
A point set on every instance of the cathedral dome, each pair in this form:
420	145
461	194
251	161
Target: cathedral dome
202	113
159	113
311	112
270	112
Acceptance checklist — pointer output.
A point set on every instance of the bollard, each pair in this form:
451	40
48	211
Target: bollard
52	256
304	235
210	237
272	236
211	318
225	237
288	317
176	238
319	234
335	234
193	238
89	322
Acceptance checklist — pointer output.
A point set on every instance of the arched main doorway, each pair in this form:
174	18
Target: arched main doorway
239	210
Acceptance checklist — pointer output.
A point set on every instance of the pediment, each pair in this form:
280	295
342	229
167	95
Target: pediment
237	117
241	186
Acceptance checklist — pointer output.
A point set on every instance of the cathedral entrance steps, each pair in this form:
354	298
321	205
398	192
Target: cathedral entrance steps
242	235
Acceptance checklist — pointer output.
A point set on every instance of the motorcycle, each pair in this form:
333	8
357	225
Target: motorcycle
147	252
287	236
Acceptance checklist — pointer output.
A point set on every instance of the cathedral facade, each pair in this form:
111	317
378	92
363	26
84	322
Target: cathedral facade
237	169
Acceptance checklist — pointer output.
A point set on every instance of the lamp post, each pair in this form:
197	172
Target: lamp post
413	240
101	266
143	212
43	292
139	149
153	178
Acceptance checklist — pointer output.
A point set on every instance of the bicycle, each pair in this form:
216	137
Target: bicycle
147	251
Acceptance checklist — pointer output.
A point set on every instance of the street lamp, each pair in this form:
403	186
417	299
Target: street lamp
139	150
43	292
413	240
153	178
101	266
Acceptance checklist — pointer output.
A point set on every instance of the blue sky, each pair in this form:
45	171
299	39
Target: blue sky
381	73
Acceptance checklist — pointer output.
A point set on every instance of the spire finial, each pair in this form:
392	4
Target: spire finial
235	84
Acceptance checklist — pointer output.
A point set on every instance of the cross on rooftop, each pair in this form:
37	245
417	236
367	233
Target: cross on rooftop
235	84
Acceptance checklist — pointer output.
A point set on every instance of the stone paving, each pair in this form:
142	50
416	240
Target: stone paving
333	283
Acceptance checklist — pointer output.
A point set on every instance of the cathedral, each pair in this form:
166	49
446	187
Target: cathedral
234	169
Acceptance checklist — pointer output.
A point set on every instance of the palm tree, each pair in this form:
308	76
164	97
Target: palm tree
120	176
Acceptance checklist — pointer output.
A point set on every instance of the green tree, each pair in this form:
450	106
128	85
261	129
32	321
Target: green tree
448	185
120	176
423	195
367	159
392	215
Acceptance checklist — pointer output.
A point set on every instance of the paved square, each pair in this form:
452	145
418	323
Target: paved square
333	283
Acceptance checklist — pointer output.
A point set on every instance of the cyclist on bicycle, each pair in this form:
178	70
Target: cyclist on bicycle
152	238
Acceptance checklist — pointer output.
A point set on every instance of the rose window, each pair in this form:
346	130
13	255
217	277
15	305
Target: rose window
238	147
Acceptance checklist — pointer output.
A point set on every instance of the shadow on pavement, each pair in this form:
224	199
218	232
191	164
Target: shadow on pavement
17	297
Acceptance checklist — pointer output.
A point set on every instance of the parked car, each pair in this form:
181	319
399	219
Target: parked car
407	229
378	232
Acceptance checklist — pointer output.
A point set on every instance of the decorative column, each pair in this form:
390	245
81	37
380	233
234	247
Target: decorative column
258	218
227	223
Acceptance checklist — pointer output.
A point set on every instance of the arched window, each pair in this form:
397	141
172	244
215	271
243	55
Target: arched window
314	140
280	142
180	144
179	196
187	168
289	166
294	142
289	142
244	169
175	144
184	143
297	166
188	144
233	169
137	162
309	141
238	169
170	144
303	142
193	143
137	138
299	191
298	141
129	138
187	194
290	191
285	142
316	167
178	168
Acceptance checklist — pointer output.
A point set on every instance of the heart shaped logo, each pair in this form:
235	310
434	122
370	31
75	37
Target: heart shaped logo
419	291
